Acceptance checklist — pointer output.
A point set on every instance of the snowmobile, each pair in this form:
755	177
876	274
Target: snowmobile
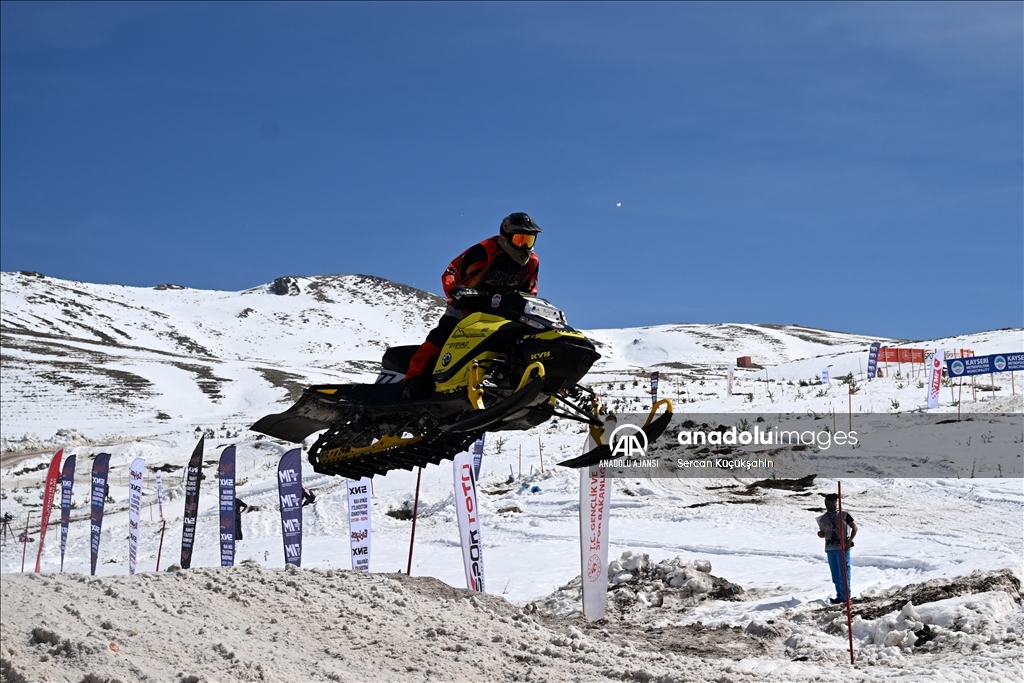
511	364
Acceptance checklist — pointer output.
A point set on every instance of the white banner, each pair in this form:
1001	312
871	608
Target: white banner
360	506
824	376
728	382
469	521
595	492
935	378
160	494
134	510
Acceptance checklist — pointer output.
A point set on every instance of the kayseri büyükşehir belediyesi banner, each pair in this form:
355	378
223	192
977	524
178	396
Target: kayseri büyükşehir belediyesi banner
984	365
289	489
100	472
135	475
359	515
67	485
828	445
188	523
226	488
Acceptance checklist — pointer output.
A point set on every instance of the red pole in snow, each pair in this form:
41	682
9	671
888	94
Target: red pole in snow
842	564
415	509
160	550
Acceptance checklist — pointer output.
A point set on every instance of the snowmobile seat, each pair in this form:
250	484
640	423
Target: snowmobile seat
397	358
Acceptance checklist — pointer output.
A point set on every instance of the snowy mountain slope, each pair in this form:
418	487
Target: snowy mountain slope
130	360
168	354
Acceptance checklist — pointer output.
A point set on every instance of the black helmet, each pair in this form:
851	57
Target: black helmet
520	231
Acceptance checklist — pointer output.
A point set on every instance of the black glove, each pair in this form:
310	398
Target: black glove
464	294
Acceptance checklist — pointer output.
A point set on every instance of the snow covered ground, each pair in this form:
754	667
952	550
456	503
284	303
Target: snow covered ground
144	372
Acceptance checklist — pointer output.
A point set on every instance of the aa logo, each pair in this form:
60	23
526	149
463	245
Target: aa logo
628	441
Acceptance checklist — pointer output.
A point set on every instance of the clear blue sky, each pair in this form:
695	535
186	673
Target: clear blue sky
847	166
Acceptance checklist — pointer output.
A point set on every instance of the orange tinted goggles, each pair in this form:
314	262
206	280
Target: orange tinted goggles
520	240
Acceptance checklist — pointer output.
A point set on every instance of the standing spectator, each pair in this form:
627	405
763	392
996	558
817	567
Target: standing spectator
829	528
240	507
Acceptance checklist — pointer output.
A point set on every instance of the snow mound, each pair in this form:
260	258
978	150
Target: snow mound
33	443
637	584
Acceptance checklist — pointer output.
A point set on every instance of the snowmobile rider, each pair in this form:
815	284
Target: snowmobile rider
500	264
828	528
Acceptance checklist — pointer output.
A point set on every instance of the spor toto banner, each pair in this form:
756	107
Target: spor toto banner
594	503
654	387
289	488
100	472
469	521
67	483
188	524
935	378
52	477
983	365
226	481
135	475
359	509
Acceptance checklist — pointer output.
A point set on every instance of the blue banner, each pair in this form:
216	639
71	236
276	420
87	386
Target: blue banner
67	483
478	455
100	473
289	488
983	365
226	479
873	360
188	522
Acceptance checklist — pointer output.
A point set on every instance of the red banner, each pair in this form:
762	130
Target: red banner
52	477
893	355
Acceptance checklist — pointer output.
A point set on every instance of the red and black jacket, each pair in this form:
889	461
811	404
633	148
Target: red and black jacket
488	268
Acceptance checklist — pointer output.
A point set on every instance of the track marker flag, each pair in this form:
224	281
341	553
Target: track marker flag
135	475
188	523
360	505
935	378
52	477
654	387
67	483
226	481
160	493
100	473
289	488
468	514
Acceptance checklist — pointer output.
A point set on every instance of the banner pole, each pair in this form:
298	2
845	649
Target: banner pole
415	509
24	548
992	381
842	565
960	398
540	450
